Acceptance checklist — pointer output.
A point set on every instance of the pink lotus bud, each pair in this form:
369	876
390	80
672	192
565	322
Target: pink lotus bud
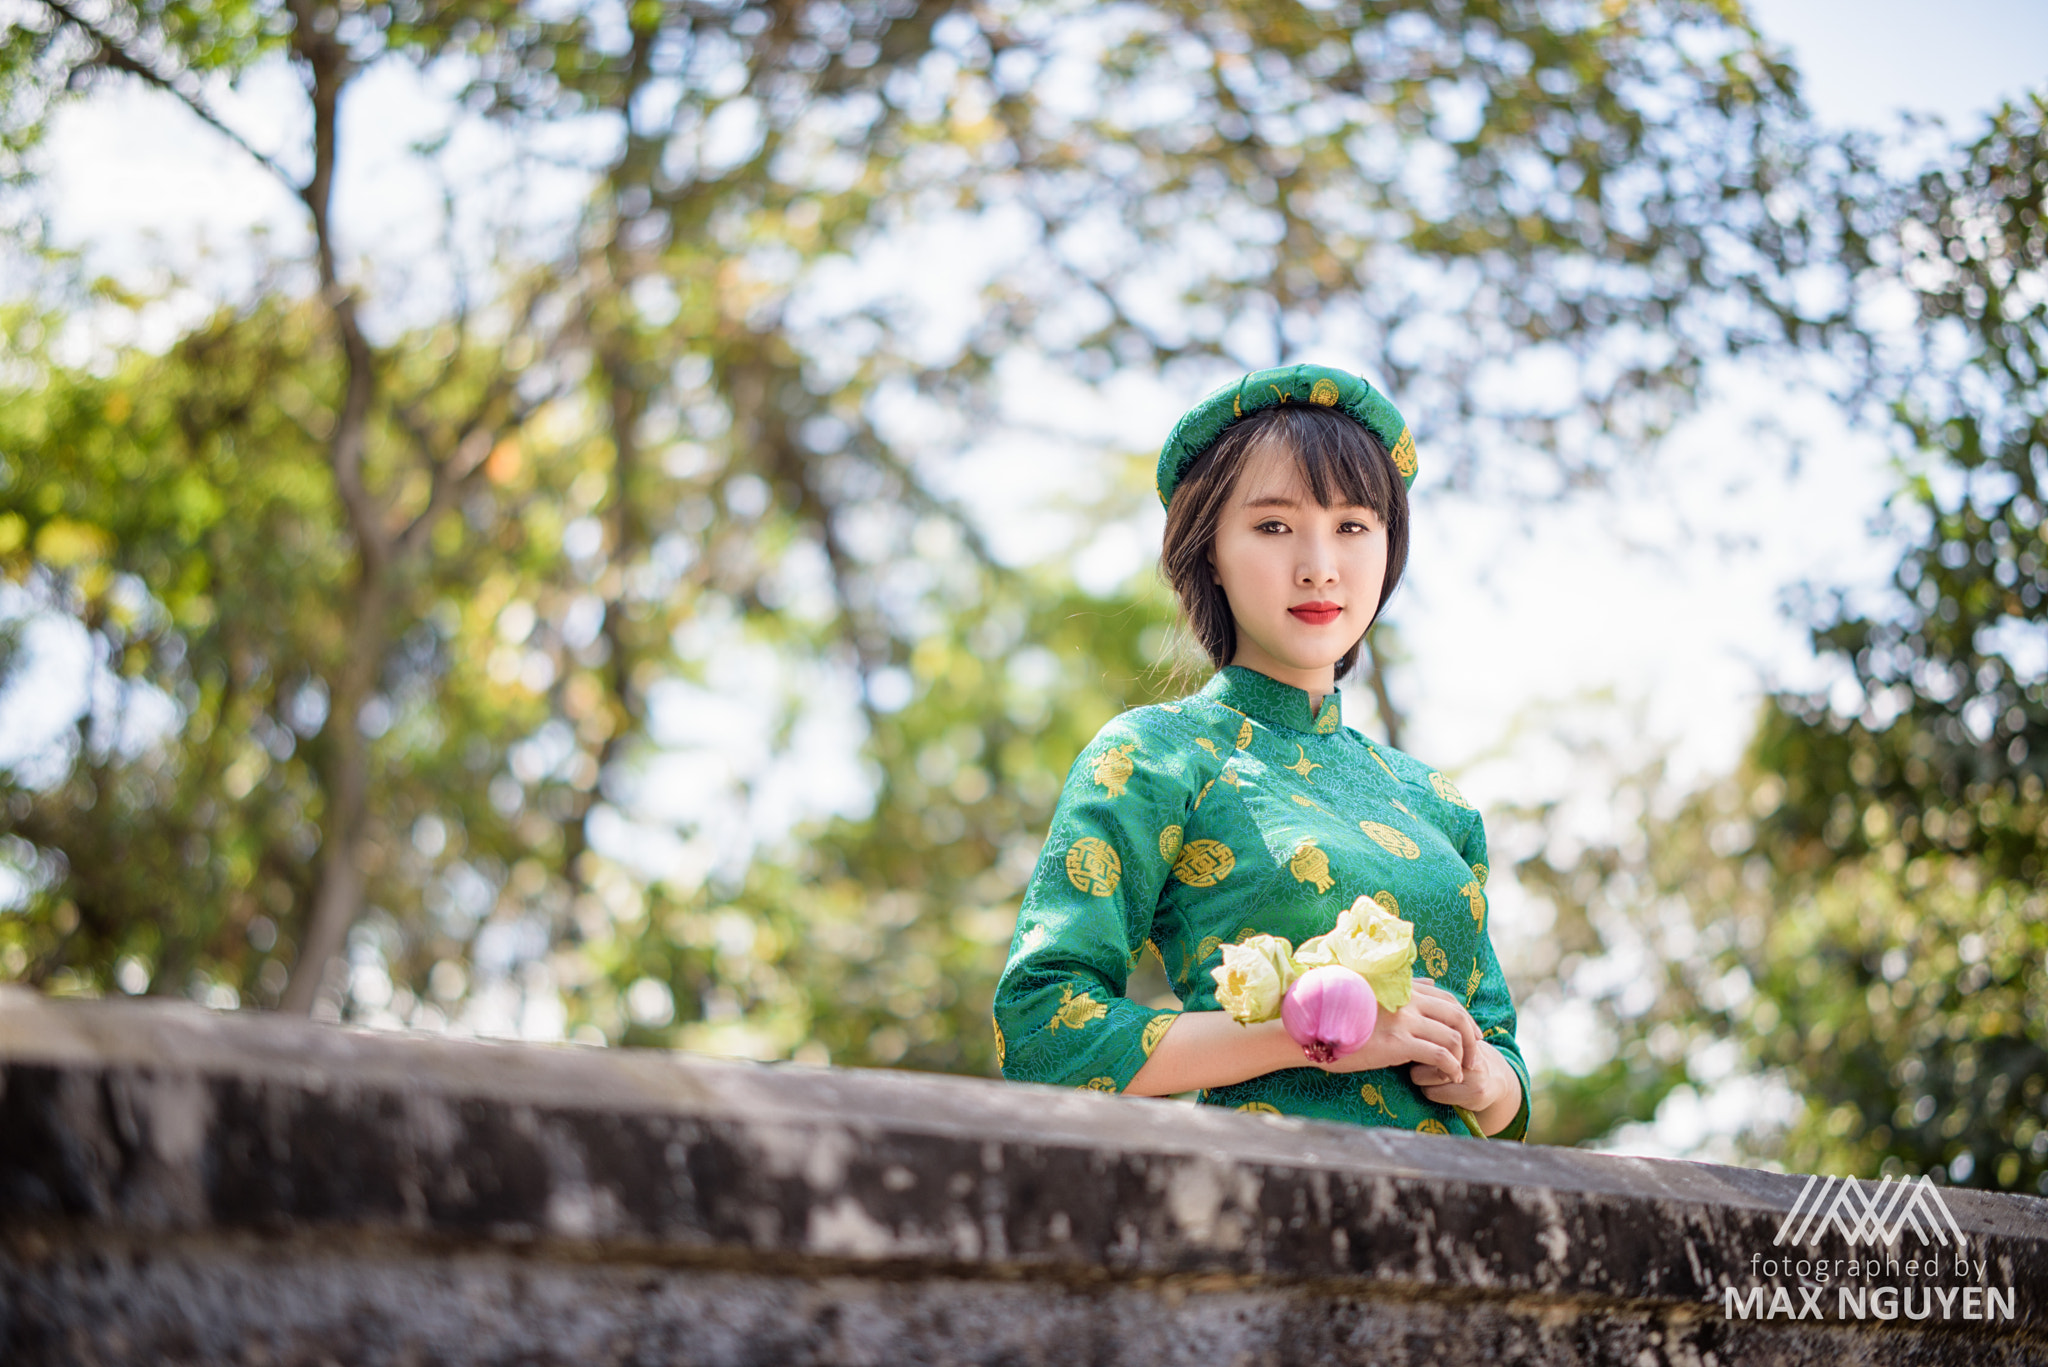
1330	1012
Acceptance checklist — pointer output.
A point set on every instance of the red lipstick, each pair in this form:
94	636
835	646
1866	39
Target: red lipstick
1318	614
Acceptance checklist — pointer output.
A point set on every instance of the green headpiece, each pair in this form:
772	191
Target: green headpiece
1204	423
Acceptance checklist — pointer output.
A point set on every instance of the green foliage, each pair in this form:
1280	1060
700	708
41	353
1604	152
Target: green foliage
409	600
1860	909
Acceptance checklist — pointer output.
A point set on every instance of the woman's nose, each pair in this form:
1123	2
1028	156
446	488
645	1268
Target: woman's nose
1318	562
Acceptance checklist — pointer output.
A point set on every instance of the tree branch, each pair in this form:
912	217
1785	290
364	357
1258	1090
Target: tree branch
111	52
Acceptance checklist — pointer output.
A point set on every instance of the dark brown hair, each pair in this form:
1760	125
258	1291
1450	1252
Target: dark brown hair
1339	459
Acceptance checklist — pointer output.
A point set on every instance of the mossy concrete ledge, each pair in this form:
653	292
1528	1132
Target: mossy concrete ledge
183	1187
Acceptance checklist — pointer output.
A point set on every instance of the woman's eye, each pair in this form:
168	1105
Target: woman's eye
1272	526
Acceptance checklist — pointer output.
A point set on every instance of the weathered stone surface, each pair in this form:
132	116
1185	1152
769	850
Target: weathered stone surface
177	1186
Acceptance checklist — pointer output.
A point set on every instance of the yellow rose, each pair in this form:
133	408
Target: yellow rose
1255	975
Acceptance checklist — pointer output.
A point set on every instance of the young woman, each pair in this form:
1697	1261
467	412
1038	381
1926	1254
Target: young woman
1250	807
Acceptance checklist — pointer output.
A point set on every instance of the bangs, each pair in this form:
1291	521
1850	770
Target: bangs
1338	457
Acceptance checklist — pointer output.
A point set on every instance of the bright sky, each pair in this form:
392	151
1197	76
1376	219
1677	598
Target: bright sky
1649	617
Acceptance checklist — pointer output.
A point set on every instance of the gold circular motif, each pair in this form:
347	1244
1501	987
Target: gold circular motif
1387	900
1092	866
1244	735
1204	863
1259	1108
1431	1127
1479	872
1155	1031
1448	791
1386	837
1001	1048
1169	843
1324	392
1101	1084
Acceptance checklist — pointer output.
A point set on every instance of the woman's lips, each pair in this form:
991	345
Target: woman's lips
1317	614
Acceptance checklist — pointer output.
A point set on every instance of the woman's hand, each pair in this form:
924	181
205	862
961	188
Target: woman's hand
1433	1030
1490	1089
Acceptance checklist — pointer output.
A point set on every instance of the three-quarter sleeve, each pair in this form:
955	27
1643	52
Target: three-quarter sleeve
1061	1015
1491	1006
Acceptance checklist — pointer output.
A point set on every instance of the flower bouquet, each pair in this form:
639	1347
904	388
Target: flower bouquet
1328	993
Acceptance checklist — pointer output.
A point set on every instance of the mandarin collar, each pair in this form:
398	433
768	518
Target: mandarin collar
1274	703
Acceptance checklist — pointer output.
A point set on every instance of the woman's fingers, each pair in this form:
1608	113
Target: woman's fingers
1438	1045
1440	1005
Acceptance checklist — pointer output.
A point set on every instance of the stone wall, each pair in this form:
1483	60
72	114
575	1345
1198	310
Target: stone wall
183	1187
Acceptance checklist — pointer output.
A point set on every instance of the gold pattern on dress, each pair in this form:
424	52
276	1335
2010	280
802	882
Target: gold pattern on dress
1311	865
1400	806
1433	957
1114	768
1209	945
1431	1126
1136	954
1491	1031
1170	707
1327	723
1230	777
1075	1012
1301	801
1383	764
1387	900
1155	1031
1324	392
1035	938
1478	900
1206	744
1448	791
1472	983
1092	866
1260	1108
1404	454
1204	864
1391	840
1001	1049
1371	1096
1302	765
1169	843
1479	872
1204	793
1101	1084
1244	735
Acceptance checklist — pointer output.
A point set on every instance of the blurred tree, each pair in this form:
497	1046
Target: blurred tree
1861	908
409	589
